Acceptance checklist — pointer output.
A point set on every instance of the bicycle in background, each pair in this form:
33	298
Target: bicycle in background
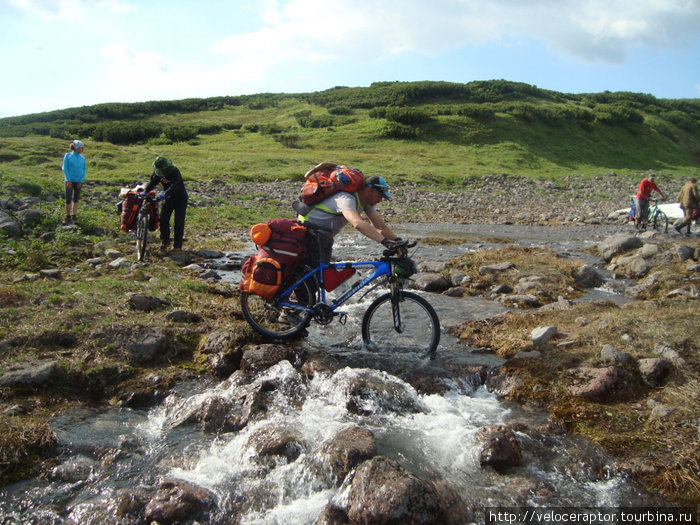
139	212
657	218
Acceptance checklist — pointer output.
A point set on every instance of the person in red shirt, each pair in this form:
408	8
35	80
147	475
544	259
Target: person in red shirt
641	201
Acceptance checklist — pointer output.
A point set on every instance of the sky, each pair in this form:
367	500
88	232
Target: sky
58	54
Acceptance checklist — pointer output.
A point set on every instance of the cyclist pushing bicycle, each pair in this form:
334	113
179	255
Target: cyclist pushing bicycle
332	214
399	321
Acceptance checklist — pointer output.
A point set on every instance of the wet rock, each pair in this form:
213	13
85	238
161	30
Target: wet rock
501	449
146	303
430	282
611	354
496	268
617	244
276	440
259	357
655	371
598	384
503	385
72	471
347	449
542	334
384	492
177	500
373	392
32	373
588	276
332	515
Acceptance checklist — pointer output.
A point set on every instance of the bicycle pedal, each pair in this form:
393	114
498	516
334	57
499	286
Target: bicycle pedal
342	317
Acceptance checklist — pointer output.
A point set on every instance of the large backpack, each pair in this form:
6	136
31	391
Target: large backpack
281	247
327	179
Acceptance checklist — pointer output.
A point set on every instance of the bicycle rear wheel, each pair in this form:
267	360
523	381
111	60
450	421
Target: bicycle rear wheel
660	222
271	319
141	237
419	326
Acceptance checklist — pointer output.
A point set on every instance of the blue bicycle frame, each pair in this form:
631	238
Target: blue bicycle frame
381	268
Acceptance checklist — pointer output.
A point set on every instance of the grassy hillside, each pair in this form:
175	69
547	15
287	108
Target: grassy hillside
425	132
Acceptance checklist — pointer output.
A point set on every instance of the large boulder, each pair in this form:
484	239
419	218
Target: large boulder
500	449
347	449
384	492
617	244
177	500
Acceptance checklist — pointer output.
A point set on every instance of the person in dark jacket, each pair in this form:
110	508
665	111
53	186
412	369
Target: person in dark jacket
174	198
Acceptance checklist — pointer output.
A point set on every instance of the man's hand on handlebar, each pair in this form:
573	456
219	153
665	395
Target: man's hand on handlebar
397	245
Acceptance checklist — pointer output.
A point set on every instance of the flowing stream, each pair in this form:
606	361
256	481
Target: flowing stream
114	456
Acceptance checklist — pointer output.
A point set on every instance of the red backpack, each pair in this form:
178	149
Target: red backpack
327	179
282	250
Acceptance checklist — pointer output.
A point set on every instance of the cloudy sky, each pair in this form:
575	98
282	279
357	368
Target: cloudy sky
57	54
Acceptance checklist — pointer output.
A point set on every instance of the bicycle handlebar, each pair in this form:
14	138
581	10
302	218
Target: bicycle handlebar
402	248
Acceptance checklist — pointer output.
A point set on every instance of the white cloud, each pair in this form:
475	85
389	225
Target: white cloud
592	30
125	72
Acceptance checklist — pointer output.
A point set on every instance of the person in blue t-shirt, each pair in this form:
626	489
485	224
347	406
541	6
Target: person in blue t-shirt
74	170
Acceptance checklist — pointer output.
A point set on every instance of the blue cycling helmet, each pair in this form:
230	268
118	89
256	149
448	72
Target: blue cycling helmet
378	183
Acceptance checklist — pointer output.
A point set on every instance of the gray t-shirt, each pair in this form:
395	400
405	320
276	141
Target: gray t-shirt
329	215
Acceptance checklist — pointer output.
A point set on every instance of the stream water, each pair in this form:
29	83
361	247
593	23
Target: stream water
113	456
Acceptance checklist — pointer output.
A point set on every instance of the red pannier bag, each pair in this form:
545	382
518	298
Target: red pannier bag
264	273
327	179
130	211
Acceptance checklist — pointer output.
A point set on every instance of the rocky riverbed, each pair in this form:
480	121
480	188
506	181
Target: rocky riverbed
626	377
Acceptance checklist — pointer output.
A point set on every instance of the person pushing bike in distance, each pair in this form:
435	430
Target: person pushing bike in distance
330	216
175	197
641	201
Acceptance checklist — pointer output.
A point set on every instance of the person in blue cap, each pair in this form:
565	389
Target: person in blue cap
330	215
74	169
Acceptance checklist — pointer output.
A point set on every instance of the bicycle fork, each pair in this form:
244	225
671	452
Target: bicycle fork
395	300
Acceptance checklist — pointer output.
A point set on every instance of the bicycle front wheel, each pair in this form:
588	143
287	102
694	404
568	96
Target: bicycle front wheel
270	318
141	237
660	222
409	326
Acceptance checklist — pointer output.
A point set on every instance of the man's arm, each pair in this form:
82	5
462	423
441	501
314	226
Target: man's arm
375	231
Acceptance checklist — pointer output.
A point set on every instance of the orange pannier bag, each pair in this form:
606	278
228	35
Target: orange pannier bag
284	248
